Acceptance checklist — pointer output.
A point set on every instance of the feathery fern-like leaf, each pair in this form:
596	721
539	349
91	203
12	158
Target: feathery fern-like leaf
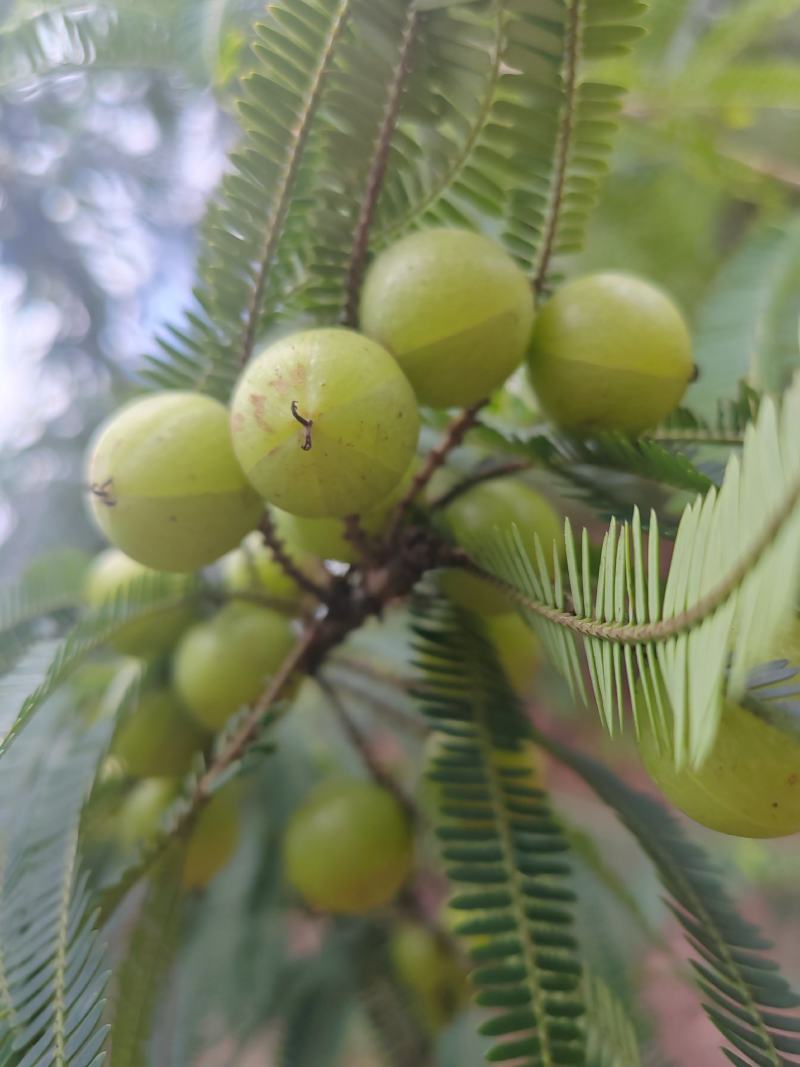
745	996
148	956
245	262
730	591
503	851
610	1035
147	595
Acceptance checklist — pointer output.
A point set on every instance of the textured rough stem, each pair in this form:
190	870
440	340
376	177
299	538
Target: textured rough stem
282	557
486	474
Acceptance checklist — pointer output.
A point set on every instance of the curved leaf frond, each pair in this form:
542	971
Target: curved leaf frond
730	591
610	1035
503	851
745	996
146	596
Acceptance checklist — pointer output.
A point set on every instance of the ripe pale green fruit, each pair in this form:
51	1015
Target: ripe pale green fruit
157	739
427	966
214	838
476	513
349	848
142	810
455	311
252	568
517	649
748	786
225	663
363	416
165	484
112	572
610	352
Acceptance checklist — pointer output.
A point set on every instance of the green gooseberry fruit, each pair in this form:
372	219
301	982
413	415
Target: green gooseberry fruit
166	487
475	514
225	663
517	649
349	848
326	538
610	352
748	785
157	739
324	423
455	311
429	969
252	568
214	838
142	810
112	572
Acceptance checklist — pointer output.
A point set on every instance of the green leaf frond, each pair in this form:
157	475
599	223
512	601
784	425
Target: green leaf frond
147	596
745	996
504	852
568	134
747	326
53	585
610	1034
773	693
148	955
257	220
60	38
730	591
589	469
686	426
51	960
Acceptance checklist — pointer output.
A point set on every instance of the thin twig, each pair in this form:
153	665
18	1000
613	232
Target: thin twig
482	474
566	129
454	435
696	437
377	172
665	629
273	541
355	533
360	742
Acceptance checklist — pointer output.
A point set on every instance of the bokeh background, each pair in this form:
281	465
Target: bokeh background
115	119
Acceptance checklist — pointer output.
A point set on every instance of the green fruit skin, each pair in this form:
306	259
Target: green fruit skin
349	848
610	352
110	573
748	786
475	513
166	487
157	739
518	651
214	839
252	568
326	538
365	423
223	664
454	309
428	968
140	815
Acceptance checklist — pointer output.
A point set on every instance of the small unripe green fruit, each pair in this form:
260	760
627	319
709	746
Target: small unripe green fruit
610	352
157	739
748	785
223	664
112	572
326	538
252	568
428	968
166	487
517	649
475	514
363	415
214	838
140	815
349	848
455	311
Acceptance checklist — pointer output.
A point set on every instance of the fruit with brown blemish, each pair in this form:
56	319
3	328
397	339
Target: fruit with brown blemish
324	423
